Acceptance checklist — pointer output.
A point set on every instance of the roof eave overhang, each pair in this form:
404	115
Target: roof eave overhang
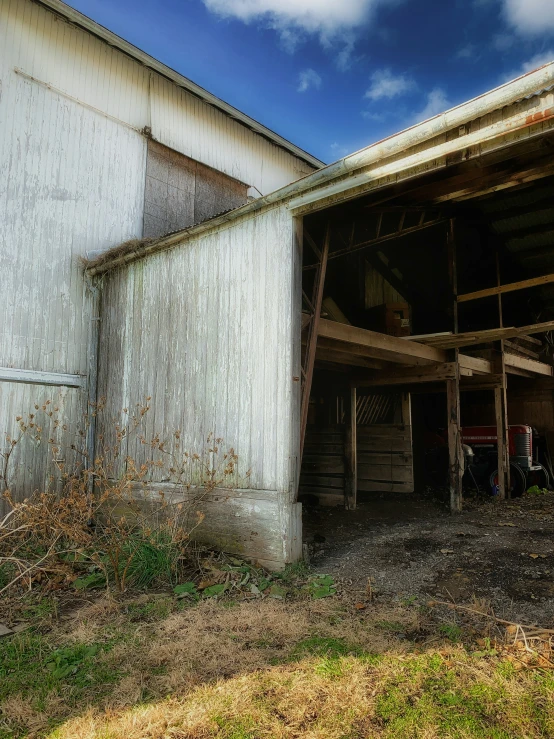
78	19
360	172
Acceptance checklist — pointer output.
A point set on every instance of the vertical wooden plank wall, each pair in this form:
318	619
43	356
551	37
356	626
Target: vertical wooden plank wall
210	340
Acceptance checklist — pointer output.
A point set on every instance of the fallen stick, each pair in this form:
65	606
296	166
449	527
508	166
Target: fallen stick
489	615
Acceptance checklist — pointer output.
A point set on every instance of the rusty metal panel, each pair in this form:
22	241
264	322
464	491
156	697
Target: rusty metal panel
206	331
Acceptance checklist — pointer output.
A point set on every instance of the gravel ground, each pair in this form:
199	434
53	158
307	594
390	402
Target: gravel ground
502	552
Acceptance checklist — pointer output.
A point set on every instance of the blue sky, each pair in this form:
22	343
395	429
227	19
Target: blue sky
336	75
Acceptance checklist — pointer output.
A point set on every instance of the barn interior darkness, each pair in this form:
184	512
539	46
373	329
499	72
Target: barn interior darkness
414	247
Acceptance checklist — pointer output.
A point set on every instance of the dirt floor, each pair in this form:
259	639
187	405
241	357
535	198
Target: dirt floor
410	546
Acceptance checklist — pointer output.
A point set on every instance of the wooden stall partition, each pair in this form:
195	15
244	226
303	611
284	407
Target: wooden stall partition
323	464
385	456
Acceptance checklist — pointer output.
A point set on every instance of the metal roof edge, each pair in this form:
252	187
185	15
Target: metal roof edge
316	185
83	21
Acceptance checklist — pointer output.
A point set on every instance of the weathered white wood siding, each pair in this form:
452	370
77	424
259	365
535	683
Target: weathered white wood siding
72	178
72	61
207	331
186	124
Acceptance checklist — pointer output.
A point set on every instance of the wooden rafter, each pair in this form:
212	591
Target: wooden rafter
415	375
511	287
381	238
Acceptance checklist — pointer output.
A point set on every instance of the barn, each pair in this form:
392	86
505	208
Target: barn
99	144
325	329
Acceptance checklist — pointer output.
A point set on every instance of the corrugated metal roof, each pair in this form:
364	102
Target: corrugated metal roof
74	16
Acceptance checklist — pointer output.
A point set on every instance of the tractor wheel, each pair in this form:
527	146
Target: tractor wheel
517	484
541	478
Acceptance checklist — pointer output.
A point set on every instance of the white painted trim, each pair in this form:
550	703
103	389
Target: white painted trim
32	377
64	94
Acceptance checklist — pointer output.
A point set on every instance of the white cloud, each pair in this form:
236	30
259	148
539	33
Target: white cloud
503	41
530	16
331	20
308	78
377	117
338	150
437	102
536	61
385	84
466	52
344	57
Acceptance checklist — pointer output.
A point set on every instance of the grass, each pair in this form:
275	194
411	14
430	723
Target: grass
154	667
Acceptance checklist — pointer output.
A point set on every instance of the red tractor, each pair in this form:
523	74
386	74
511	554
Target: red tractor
481	458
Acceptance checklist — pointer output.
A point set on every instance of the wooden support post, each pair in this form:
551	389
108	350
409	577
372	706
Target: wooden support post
501	408
350	453
455	450
313	331
503	448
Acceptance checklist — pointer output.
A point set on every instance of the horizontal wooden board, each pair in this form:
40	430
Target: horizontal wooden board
331	429
323	465
367	486
311	449
317	490
326	481
400	458
384	445
380	472
383	431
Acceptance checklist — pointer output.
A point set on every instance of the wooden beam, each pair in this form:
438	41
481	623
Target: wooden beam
455	450
313	332
348	358
467	385
529	365
520	373
496	181
512	287
476	364
480	382
391	346
370	243
514	348
384	357
471	338
350	454
414	375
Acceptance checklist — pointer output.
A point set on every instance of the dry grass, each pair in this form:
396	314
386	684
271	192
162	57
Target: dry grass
271	669
132	246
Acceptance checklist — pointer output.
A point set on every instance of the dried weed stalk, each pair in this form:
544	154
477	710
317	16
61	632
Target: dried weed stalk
102	519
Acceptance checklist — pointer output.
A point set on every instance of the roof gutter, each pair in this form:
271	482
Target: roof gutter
509	93
345	174
77	18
